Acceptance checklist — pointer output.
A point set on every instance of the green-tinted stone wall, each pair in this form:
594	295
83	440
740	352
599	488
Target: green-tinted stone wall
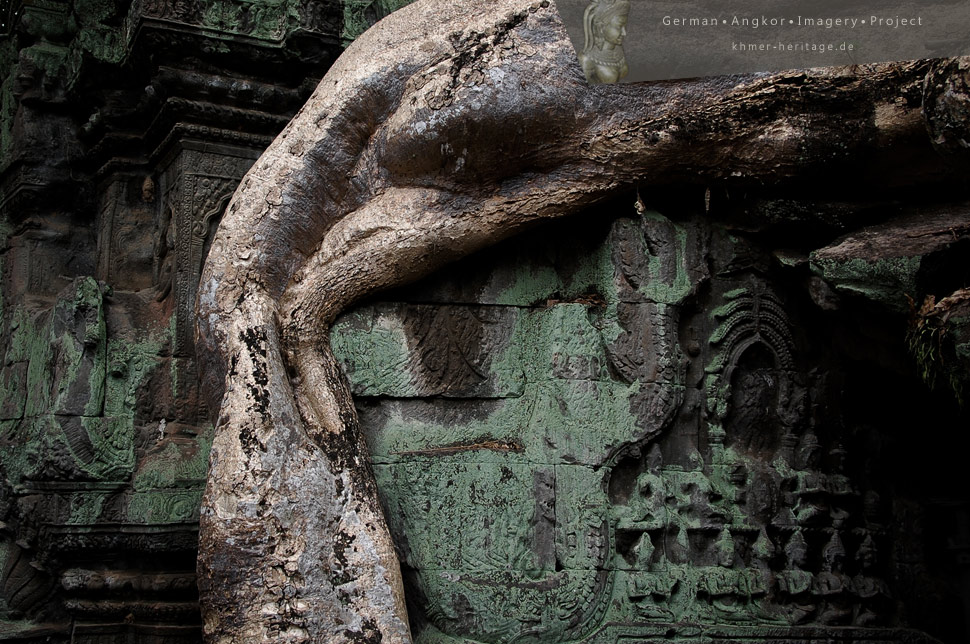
627	429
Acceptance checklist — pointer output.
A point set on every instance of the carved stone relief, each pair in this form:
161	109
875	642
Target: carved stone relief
124	127
634	452
260	19
195	183
125	232
625	435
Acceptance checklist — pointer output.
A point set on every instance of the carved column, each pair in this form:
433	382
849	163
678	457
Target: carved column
196	179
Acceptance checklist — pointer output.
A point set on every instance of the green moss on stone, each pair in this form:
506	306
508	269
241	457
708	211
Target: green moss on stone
97	36
534	284
221	15
169	482
130	363
570	409
86	507
114	449
4	238
679	288
14	378
374	353
887	281
359	15
172	467
165	506
8	113
76	416
49	58
32	340
14	436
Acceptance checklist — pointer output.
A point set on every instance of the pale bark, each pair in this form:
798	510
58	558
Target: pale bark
447	127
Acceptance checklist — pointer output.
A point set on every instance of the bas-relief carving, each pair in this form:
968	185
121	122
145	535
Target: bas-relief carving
195	188
261	19
713	498
102	434
125	254
69	449
358	15
89	377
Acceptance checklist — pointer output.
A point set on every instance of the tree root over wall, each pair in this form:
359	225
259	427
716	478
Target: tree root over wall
447	127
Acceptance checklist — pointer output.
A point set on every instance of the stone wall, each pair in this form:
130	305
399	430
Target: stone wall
123	131
637	426
708	412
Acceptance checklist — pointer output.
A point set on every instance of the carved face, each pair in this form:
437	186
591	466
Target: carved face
614	29
797	554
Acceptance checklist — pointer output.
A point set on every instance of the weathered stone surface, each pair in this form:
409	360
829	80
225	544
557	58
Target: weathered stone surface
758	517
123	128
887	262
415	351
563	384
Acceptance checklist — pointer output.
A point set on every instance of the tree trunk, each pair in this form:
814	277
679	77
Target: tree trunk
445	128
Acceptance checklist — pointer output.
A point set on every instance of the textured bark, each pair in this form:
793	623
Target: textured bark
447	127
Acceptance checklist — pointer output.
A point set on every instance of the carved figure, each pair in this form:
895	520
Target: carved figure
809	484
643	551
872	510
832	586
839	488
164	254
794	583
148	190
646	510
604	27
729	479
697	491
722	584
650	593
872	592
756	580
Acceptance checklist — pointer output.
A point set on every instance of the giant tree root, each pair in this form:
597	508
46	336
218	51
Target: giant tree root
447	127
